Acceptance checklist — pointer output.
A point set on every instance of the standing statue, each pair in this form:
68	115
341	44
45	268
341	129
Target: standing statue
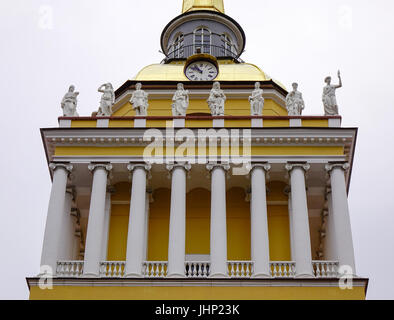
139	100
257	101
216	100
107	100
294	102
329	98
69	103
180	101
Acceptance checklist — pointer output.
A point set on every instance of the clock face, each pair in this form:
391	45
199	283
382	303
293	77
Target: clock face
201	71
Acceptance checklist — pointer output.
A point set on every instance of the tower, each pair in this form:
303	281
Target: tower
200	178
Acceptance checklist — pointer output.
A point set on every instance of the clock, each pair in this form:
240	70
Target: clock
201	71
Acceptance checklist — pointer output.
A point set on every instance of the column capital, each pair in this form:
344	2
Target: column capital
146	166
224	166
186	166
66	166
305	166
266	166
93	166
344	166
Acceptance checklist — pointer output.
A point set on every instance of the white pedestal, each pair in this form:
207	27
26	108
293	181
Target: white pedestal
295	123
257	123
179	123
140	123
218	123
334	123
65	123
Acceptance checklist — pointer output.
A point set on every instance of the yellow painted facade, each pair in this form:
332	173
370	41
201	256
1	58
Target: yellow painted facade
196	293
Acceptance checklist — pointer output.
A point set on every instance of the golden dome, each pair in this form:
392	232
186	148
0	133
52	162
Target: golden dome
193	5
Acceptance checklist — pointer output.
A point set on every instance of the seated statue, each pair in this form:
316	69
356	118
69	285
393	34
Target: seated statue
257	101
216	100
69	103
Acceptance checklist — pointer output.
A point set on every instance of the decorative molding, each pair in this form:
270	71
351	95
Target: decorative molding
344	166
290	166
66	166
146	166
186	166
224	166
93	166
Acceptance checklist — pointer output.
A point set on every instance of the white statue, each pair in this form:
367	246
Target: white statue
329	98
294	102
257	101
180	101
107	100
69	103
216	100
139	100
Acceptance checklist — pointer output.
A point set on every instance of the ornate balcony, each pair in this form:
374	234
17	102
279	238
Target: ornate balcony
197	269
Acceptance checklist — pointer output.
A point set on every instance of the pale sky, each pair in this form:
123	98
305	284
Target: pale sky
46	45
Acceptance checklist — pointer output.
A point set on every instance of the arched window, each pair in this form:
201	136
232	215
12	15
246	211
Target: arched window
202	40
228	48
178	46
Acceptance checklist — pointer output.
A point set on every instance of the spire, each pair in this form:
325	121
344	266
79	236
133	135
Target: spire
193	5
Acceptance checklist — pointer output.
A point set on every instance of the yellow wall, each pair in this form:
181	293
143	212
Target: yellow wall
197	293
238	225
159	223
278	223
233	107
198	208
117	240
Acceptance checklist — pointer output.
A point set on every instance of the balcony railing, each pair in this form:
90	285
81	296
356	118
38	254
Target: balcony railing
69	269
197	269
283	269
187	51
112	269
325	269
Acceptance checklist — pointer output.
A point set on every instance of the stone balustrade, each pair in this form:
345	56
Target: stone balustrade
240	269
283	269
155	269
197	269
69	269
112	269
325	269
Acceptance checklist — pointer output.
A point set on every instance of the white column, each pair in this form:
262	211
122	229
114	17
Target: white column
96	222
291	226
300	221
341	216
107	221
68	229
177	236
53	228
259	222
218	221
136	234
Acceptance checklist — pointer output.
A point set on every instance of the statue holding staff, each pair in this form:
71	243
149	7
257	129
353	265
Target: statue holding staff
329	97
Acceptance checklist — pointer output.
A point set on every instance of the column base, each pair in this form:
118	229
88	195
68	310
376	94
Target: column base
133	275
304	276
91	275
176	275
261	276
219	276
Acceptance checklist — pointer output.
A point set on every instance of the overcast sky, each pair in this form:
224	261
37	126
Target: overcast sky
48	45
